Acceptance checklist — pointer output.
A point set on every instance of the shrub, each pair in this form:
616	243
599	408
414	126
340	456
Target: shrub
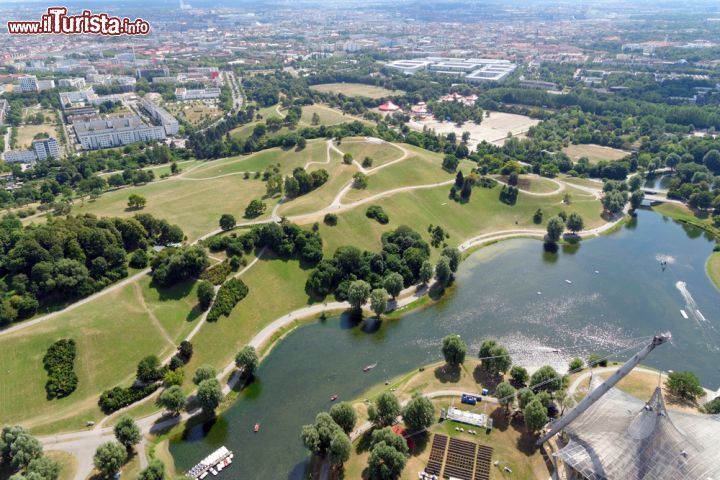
58	362
376	212
228	296
118	397
330	219
217	273
139	259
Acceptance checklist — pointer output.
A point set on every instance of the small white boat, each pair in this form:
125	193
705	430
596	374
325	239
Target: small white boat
539	293
700	315
597	271
213	471
685	315
204	474
568	282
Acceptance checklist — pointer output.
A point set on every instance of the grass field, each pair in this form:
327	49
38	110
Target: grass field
112	333
356	90
67	462
583	182
713	268
195	113
26	133
493	129
380	152
328	115
533	183
594	153
245	131
484	213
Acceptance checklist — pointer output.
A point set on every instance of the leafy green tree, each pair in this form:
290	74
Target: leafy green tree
209	395
136	202
379	301
713	406
576	364
318	436
595	360
426	271
453	256
347	159
154	471
360	180
330	219
344	415
358	293
43	468
419	413
385	462
519	375
109	458
148	369
575	222
443	272
172	399
174	377
685	385
127	432
546	378
538	216
454	350
255	208
8	435
505	393
384	410
24	449
247	360
389	437
393	283
496	358
555	228
450	163
524	397
227	222
636	199
340	448
203	372
205	294
535	415
614	201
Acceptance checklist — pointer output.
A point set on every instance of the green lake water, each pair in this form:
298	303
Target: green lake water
513	291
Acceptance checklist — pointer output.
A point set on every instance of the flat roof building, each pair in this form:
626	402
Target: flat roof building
46	148
115	132
162	116
20	156
471	69
183	94
29	83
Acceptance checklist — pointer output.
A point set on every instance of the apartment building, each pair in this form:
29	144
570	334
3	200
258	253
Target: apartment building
162	116
115	132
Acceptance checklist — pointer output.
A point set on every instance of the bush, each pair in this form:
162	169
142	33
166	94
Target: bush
59	361
217	273
228	296
139	259
376	212
685	385
595	360
118	397
330	219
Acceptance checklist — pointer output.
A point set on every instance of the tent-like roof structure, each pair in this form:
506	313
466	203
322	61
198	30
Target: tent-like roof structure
620	437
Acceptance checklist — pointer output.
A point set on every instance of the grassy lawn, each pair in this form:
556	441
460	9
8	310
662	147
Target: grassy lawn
195	113
713	268
328	115
583	182
194	205
380	152
356	90
484	213
245	131
67	462
26	133
595	153
112	333
683	214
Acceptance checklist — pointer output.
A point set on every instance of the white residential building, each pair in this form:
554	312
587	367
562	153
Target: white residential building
29	83
45	84
46	147
183	94
162	116
471	69
72	82
20	156
115	132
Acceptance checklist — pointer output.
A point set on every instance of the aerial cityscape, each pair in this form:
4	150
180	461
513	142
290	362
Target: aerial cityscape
381	240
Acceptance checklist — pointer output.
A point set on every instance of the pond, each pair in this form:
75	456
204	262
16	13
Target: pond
620	293
658	182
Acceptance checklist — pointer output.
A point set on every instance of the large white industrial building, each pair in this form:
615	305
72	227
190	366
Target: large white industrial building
471	69
115	132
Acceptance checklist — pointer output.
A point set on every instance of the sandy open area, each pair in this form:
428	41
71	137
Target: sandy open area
493	129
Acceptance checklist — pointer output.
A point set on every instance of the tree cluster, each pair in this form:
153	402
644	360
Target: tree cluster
229	295
59	361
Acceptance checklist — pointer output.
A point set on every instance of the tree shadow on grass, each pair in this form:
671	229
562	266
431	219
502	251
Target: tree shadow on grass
484	378
175	292
420	443
501	419
447	373
526	441
194	313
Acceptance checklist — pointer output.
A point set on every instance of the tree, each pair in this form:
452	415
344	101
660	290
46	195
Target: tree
344	415
340	448
360	180
546	378
495	357
636	199
524	397
385	462
247	360
505	393
109	458
535	415
255	208
148	369
538	216
318	437
347	159
315	120
712	407
450	163
379	301
389	437
685	385
443	273
203	372
154	471
596	360
42	468
555	228
23	449
576	364
358	293
209	395
385	409
227	222
136	202
205	294
172	399
174	376
453	256
712	161
519	375
614	201
330	219
393	283
419	413
575	222
454	350
127	432
8	435
426	271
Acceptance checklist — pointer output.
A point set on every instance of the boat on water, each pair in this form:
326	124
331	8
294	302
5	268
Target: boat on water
256	428
333	398
367	368
212	464
685	315
568	282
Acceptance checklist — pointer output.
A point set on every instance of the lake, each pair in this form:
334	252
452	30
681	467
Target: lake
513	291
